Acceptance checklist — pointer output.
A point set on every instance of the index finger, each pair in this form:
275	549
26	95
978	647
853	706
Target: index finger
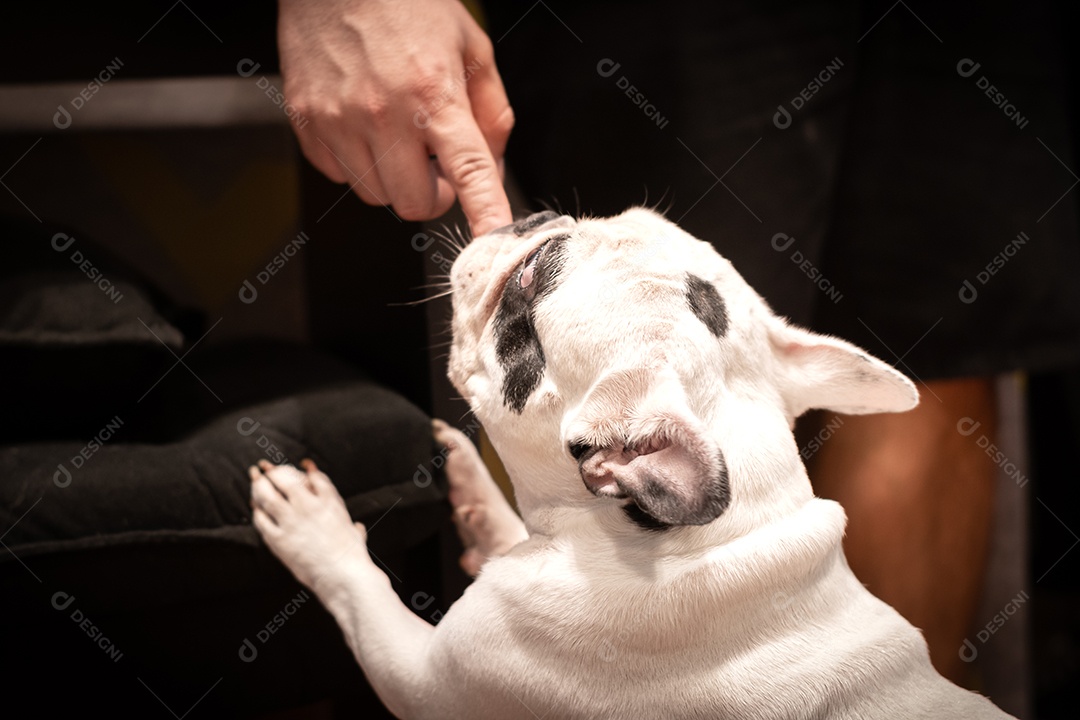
468	165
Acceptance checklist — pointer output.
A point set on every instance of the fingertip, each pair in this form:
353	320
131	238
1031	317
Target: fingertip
491	220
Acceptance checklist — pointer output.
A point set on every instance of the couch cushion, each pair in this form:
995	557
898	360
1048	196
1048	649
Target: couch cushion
171	591
81	335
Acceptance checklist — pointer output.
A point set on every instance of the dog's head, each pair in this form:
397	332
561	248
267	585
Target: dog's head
620	364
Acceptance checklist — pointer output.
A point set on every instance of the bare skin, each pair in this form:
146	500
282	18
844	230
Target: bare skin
402	102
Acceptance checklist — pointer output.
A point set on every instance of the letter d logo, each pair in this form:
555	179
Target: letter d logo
421	242
966	426
61	600
422	477
781	242
248	652
967	67
607	67
971	654
422	119
62	476
62	118
782	118
248	293
60	238
968	293
246	67
245	426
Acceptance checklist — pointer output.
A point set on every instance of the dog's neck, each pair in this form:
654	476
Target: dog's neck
745	563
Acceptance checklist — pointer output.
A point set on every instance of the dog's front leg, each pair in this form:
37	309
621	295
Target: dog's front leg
303	520
486	523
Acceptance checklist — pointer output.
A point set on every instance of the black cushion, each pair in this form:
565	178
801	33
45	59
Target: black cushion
154	544
129	568
81	335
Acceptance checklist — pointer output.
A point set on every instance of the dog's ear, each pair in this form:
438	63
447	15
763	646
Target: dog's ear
818	371
638	440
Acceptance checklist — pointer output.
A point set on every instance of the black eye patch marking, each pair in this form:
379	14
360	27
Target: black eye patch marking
517	346
706	304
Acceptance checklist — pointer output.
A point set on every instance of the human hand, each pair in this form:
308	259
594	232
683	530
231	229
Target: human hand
383	86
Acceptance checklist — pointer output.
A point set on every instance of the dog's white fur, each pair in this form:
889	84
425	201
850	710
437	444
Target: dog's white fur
752	615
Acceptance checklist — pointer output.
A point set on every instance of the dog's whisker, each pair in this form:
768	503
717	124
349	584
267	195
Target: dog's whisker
421	301
450	245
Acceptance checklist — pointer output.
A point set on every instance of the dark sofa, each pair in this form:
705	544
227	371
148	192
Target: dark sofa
133	583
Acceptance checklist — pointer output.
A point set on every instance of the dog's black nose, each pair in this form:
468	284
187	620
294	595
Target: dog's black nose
534	222
527	225
524	227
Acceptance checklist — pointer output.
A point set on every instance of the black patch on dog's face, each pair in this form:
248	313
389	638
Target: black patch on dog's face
707	305
578	449
644	520
517	346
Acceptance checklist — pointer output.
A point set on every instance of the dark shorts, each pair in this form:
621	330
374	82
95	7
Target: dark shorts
854	164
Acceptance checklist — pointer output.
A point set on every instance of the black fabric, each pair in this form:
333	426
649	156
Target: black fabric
864	210
80	333
147	40
129	567
154	542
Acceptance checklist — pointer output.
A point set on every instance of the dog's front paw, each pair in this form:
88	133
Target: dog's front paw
303	520
487	525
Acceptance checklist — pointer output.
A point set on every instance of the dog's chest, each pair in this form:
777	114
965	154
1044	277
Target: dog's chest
545	637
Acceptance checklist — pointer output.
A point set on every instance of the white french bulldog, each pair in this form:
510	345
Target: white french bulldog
673	561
